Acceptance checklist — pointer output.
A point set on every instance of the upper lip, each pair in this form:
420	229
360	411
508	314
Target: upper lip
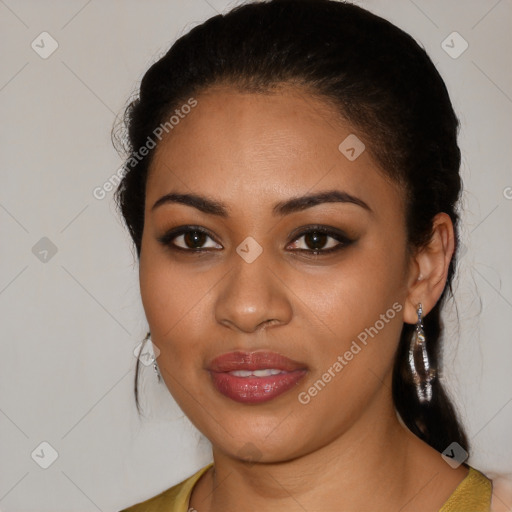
251	361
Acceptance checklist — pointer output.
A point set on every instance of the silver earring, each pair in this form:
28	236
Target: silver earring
422	373
155	365
156	369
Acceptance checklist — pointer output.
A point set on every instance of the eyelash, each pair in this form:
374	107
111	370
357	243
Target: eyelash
343	240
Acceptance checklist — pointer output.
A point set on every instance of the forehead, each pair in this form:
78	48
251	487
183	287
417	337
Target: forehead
250	146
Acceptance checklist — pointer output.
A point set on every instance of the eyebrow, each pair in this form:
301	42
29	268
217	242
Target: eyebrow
213	207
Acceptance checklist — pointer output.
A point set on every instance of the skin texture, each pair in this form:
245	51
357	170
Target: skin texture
251	151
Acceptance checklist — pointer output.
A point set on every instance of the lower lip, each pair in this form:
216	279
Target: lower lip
255	390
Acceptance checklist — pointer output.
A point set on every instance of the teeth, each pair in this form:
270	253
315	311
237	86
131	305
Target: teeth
241	373
256	373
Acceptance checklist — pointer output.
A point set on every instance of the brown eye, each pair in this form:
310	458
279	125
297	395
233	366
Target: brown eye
315	240
194	239
321	240
188	238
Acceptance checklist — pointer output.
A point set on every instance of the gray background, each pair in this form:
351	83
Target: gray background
71	319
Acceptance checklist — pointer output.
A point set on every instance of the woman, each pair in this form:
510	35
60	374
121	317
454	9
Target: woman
291	190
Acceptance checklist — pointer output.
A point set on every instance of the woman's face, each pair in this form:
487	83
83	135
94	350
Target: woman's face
256	286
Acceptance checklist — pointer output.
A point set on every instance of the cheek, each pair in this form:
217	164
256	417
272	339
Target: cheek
169	295
173	302
178	306
355	312
352	295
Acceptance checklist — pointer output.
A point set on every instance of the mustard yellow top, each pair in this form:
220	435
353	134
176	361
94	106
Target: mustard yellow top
473	494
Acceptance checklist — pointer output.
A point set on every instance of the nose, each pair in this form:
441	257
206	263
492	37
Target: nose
253	297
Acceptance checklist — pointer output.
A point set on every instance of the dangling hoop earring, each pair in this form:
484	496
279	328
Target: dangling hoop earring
422	373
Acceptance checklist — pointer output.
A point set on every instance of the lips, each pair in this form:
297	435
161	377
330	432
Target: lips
254	377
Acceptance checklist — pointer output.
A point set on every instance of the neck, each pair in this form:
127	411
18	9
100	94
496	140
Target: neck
373	454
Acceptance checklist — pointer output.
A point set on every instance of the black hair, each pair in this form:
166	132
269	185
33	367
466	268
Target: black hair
379	79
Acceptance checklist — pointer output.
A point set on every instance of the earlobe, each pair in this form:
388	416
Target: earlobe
418	294
429	270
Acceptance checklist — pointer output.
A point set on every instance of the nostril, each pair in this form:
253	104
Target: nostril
268	323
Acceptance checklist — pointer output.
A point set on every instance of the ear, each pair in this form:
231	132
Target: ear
429	269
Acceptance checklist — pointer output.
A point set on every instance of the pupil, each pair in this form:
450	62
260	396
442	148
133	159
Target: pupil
318	240
194	237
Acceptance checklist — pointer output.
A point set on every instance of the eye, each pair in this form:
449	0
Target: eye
318	240
188	238
321	240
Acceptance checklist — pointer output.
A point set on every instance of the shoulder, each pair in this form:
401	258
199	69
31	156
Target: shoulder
472	493
174	499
